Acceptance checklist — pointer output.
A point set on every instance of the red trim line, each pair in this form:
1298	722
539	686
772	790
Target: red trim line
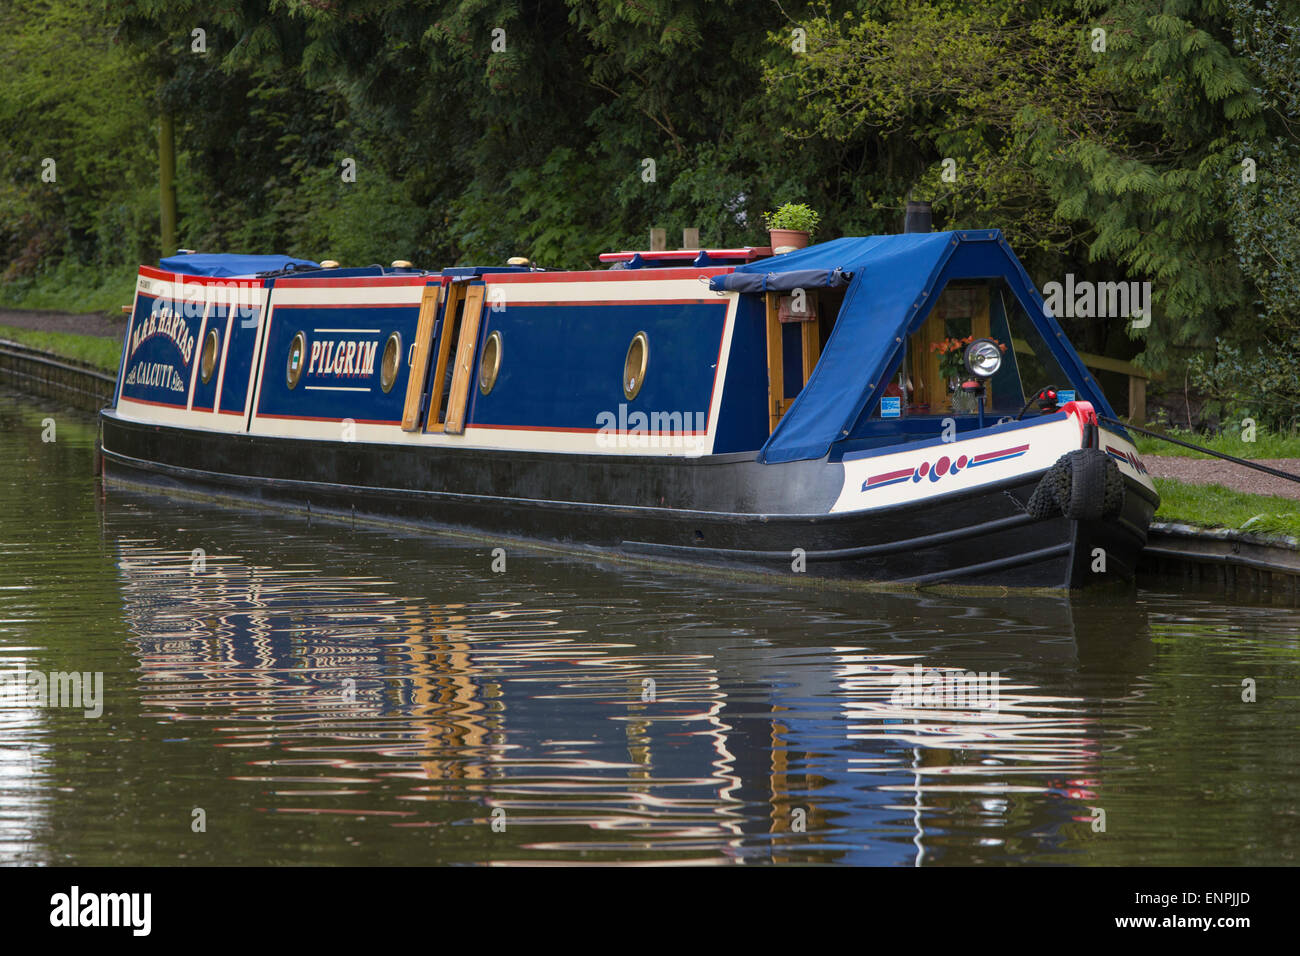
579	302
575	431
314	418
313	282
891	476
606	275
977	459
347	305
145	401
149	272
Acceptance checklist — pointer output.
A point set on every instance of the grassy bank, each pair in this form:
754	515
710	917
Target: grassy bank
100	352
72	288
1266	444
1213	506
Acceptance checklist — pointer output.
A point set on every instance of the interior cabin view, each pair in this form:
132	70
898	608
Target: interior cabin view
925	383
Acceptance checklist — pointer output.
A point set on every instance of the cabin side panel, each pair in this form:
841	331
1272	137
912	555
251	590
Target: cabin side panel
743	418
322	361
176	320
562	365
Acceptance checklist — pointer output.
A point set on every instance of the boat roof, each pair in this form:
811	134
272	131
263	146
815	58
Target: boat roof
680	257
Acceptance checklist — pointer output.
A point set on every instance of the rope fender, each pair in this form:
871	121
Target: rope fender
1083	485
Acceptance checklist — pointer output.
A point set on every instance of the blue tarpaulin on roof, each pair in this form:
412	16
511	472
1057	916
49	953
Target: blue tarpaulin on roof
895	281
782	281
228	264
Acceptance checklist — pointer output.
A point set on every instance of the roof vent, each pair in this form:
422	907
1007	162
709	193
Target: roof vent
919	217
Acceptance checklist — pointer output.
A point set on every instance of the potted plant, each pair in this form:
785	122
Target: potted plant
791	226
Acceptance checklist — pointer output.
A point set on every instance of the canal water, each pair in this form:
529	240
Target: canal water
280	690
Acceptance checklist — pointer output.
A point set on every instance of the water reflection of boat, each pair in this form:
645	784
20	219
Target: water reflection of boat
769	714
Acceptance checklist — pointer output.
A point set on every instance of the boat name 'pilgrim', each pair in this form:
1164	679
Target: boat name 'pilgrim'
339	357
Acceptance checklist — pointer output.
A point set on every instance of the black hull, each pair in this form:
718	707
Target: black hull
718	510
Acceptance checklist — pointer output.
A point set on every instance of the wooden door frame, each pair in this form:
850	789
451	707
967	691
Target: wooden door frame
453	299
430	302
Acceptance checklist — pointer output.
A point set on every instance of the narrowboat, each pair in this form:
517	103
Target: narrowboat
796	413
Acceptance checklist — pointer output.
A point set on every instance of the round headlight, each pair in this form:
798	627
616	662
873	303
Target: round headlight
983	358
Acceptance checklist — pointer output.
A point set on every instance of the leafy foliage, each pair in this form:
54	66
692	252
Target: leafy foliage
483	129
1254	368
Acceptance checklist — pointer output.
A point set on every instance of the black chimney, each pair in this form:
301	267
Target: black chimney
919	217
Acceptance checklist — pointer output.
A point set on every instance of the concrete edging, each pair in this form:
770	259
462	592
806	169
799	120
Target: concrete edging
52	376
1223	558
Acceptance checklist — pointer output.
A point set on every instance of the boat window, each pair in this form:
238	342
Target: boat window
208	363
1036	367
293	368
490	364
925	383
388	367
634	366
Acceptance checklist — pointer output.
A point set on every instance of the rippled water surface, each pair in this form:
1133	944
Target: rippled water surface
281	690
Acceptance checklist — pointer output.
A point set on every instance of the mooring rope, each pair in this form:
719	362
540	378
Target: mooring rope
1217	454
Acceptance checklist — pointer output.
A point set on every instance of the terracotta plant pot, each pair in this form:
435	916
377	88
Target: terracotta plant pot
784	240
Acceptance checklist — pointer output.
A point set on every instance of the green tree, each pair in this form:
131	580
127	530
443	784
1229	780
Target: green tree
75	148
1095	134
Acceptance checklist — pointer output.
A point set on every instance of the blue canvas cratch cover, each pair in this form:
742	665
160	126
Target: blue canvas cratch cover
895	280
230	264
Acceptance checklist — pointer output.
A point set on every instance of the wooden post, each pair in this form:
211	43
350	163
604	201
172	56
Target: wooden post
167	183
690	238
1137	400
658	240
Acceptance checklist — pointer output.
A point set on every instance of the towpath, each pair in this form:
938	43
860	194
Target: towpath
1203	471
90	323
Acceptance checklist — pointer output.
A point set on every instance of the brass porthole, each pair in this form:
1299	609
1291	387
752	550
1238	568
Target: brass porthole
634	366
293	369
389	366
208	361
490	364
